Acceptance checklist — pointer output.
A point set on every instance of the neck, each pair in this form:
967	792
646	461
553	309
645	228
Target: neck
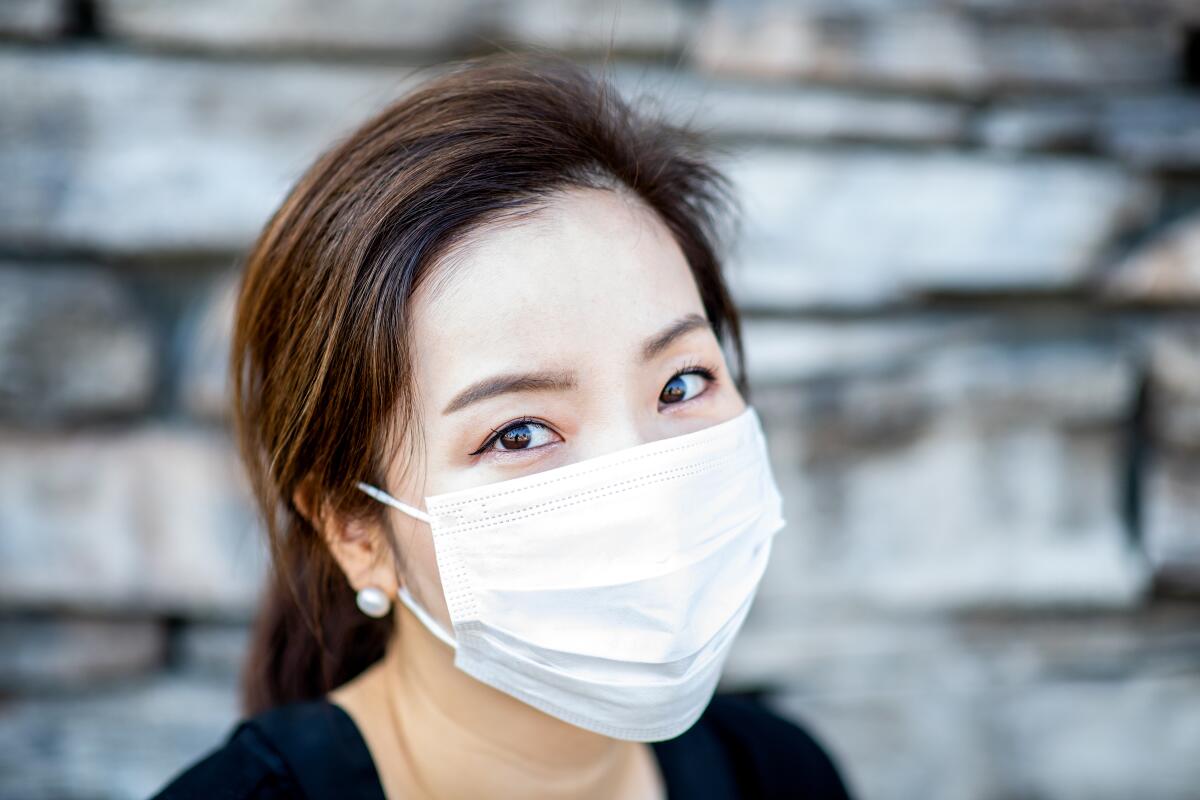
445	720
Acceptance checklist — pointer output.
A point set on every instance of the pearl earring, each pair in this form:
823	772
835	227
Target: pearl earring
373	602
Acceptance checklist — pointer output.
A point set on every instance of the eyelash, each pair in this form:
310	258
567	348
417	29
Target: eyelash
707	372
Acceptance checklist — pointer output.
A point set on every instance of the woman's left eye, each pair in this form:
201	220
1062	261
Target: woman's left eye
685	386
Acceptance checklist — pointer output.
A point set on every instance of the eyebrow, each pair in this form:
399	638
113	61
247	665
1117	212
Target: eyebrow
561	381
661	341
513	382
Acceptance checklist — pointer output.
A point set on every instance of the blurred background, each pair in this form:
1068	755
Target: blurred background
970	266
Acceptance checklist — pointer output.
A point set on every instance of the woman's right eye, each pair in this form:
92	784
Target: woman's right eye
522	435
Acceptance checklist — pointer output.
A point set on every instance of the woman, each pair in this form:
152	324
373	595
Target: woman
479	367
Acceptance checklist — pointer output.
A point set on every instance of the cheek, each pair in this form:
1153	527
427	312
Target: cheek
731	399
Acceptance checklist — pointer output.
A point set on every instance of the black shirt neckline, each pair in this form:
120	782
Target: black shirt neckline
693	764
313	749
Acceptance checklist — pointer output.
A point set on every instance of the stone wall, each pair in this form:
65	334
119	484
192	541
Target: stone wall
970	263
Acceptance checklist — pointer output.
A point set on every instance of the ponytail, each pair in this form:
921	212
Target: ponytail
309	636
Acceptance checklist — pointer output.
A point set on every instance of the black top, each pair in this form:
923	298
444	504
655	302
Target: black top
313	749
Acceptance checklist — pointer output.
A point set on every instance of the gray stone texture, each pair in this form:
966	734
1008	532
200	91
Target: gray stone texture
149	520
923	49
1166	270
869	227
374	26
32	19
967	261
53	653
123	741
74	345
195	153
203	386
991	705
964	473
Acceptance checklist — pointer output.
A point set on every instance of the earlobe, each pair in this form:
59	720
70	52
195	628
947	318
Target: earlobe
361	549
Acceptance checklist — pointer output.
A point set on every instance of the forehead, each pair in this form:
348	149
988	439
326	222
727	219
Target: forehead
585	278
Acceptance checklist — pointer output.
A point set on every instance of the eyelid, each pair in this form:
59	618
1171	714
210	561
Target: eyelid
696	365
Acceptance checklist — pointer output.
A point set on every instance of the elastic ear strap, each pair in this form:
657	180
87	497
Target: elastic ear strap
425	617
384	497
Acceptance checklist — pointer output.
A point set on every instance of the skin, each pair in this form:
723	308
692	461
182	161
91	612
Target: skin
580	287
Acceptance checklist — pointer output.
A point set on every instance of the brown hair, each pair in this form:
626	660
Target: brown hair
319	362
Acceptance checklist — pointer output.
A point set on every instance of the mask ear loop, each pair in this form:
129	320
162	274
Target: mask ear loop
384	497
431	624
402	594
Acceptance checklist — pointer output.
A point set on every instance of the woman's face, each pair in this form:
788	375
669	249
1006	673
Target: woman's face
559	338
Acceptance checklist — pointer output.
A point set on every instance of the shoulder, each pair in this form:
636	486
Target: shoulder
245	766
298	750
771	756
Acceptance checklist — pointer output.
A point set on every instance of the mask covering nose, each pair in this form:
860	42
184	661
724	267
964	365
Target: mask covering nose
607	592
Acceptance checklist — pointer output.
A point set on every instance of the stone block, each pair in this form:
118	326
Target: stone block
358	26
1077	739
195	152
1098	739
785	352
1008	706
73	345
69	653
1174	374
205	332
1071	370
747	111
1080	13
122	741
1071	13
1157	130
154	520
585	26
865	227
928	50
420	26
1056	125
1165	270
981	471
1171	499
1171	520
33	19
212	648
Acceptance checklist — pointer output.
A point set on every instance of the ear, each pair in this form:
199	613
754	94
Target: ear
361	547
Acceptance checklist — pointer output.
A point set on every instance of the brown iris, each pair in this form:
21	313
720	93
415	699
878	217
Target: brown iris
516	437
674	391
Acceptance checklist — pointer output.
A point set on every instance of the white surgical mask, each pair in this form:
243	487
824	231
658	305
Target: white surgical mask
607	592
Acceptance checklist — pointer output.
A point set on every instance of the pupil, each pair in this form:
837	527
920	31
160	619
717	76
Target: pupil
674	391
517	436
